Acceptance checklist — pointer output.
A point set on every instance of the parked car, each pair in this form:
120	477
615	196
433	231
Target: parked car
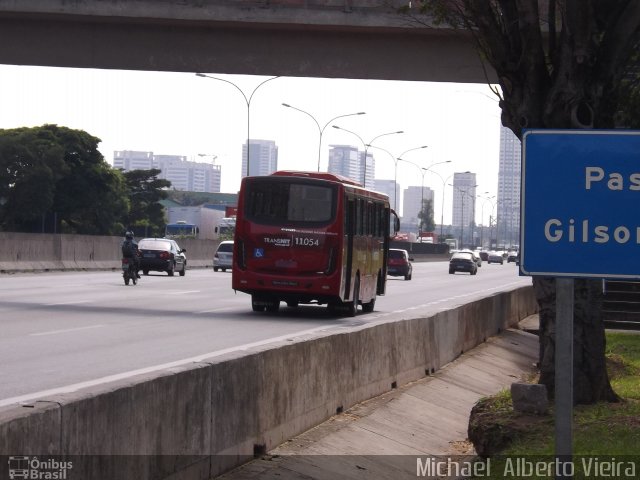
495	257
223	258
463	262
399	263
162	255
512	256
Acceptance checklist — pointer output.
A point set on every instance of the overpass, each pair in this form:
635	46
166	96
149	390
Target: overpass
359	39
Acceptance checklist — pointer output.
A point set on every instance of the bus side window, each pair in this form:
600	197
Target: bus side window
358	229
349	217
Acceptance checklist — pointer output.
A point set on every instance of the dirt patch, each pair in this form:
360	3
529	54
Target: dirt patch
494	425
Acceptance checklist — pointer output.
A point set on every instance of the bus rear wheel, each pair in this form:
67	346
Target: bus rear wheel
368	307
352	307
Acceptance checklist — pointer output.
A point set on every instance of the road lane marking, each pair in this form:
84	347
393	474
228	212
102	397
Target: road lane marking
215	310
183	292
199	358
54	332
120	376
74	302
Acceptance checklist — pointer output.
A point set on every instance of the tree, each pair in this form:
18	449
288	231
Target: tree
58	172
427	223
560	64
145	190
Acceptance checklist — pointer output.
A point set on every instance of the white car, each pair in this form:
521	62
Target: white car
223	258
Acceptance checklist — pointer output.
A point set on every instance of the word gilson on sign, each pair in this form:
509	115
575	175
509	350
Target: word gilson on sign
579	191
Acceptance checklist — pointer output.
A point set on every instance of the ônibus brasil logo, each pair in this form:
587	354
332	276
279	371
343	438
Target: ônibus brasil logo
26	467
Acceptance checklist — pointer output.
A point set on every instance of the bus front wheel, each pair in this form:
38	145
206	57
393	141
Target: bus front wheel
257	305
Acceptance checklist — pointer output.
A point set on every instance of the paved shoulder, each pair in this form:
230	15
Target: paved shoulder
382	437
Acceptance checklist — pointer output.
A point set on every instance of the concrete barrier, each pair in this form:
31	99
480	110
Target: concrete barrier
27	252
199	420
33	252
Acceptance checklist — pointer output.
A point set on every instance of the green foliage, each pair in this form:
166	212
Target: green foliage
145	190
54	179
604	429
427	223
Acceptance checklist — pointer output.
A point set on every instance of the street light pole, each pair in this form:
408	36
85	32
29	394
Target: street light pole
366	146
482	218
423	171
395	166
463	191
247	101
321	129
444	183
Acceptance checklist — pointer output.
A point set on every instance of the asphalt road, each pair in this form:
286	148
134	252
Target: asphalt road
63	331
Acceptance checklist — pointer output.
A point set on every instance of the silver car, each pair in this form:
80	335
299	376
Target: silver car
223	258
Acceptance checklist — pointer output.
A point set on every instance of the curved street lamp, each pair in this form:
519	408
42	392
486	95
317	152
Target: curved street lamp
247	101
395	165
212	155
485	199
423	171
366	147
321	130
444	183
463	191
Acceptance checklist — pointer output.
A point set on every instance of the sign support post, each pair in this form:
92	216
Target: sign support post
564	374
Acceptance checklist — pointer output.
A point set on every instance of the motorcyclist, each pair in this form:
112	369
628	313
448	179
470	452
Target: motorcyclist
130	250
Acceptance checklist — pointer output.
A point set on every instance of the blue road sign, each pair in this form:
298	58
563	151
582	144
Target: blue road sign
580	206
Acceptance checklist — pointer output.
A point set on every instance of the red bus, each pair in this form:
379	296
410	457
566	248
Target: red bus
311	238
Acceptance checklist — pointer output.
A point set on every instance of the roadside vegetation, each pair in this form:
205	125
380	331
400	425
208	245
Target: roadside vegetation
53	179
601	431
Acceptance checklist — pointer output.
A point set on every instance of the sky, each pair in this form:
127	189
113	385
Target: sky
201	118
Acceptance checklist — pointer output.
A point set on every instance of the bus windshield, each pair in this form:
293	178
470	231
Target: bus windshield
271	201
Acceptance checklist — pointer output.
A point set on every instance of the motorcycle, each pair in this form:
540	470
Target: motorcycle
129	271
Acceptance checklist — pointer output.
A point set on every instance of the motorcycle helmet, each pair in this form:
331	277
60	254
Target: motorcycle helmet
128	235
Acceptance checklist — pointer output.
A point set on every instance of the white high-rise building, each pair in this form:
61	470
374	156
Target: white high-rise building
508	203
131	160
347	161
413	197
392	189
263	158
464	206
183	174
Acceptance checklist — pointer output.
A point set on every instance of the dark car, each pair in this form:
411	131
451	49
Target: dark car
495	257
484	255
162	255
512	256
463	262
399	264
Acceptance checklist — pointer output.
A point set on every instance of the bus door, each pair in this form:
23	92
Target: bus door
349	231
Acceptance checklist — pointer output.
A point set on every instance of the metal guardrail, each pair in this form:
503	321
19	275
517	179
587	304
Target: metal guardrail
621	304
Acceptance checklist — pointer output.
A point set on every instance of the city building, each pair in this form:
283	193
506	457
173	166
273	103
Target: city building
183	174
387	187
348	161
263	158
464	207
508	201
412	198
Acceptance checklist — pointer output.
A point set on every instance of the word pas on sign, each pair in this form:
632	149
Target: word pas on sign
615	180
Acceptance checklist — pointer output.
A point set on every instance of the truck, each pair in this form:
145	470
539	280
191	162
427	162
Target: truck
210	220
225	228
452	242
